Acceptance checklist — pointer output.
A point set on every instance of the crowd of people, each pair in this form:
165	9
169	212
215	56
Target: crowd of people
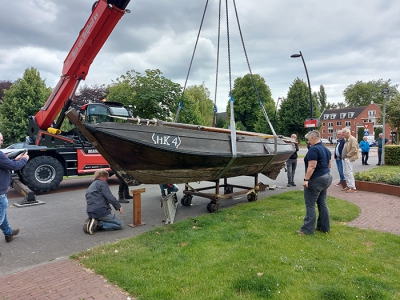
317	177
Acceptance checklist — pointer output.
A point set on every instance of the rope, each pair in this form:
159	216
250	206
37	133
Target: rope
217	68
190	65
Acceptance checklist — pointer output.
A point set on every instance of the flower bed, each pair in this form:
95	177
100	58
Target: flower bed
378	187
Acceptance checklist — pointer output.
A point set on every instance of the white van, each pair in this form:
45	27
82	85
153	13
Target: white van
371	140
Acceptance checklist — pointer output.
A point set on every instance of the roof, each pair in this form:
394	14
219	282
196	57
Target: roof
356	110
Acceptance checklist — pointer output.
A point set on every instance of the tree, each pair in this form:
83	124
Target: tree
393	114
4	85
364	93
322	98
331	105
246	105
88	94
203	104
190	113
24	98
151	94
294	109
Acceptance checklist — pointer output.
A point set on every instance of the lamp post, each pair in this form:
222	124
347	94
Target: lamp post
276	109
308	79
385	92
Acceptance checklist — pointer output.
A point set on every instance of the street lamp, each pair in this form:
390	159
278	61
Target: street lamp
276	109
308	79
385	92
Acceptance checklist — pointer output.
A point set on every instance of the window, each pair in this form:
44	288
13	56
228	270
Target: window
323	124
326	117
330	130
342	115
350	114
371	113
323	130
333	116
339	123
348	123
330	124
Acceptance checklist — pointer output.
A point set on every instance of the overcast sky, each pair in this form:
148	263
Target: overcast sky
342	41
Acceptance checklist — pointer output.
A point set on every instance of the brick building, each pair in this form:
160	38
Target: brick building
332	120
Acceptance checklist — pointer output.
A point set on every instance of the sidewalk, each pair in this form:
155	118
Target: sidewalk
65	279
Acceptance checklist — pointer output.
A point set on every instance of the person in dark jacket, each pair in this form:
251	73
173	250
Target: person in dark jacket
99	200
338	156
291	163
123	190
7	165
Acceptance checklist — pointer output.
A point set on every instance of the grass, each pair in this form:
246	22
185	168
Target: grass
251	251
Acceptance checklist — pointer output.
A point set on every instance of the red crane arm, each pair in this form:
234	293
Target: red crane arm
105	16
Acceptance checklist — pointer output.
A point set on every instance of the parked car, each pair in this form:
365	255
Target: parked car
325	141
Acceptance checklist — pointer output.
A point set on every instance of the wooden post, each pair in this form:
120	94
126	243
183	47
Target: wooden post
137	207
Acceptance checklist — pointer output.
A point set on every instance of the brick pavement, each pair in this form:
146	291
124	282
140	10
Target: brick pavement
378	211
60	279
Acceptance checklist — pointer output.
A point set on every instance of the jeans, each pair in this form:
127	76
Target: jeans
4	226
379	155
316	193
110	222
348	173
364	157
339	164
291	165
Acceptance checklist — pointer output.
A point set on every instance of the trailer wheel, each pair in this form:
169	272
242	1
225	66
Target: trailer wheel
252	197
212	207
43	173
187	200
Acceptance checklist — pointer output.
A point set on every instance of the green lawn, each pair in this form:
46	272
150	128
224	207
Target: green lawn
251	251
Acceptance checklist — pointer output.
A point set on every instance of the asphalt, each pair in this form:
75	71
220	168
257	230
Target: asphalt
36	266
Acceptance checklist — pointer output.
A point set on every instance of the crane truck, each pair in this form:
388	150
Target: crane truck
55	154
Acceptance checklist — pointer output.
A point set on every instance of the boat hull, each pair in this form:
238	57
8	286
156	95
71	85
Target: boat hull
160	154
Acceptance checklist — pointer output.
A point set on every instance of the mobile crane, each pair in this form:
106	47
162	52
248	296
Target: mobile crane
53	153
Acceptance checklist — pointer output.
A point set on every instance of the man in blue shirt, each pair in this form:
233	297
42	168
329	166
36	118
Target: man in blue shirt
379	141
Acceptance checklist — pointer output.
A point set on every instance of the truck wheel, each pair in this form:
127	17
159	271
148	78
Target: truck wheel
43	173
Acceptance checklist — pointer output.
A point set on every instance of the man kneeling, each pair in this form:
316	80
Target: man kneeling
98	200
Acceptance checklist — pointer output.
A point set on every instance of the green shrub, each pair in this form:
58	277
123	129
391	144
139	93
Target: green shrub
392	155
391	178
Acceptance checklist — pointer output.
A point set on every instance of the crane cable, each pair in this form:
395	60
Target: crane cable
190	65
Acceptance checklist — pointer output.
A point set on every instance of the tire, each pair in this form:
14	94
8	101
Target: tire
43	173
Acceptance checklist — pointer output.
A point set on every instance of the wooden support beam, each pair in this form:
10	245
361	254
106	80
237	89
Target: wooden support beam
137	207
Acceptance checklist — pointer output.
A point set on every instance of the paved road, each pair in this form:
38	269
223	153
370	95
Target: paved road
54	229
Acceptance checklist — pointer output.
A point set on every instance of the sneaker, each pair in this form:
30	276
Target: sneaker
366	164
351	191
338	184
289	185
86	225
299	232
346	188
10	237
92	225
293	184
123	200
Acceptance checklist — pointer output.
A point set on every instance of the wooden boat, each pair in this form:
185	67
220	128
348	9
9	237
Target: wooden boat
162	152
